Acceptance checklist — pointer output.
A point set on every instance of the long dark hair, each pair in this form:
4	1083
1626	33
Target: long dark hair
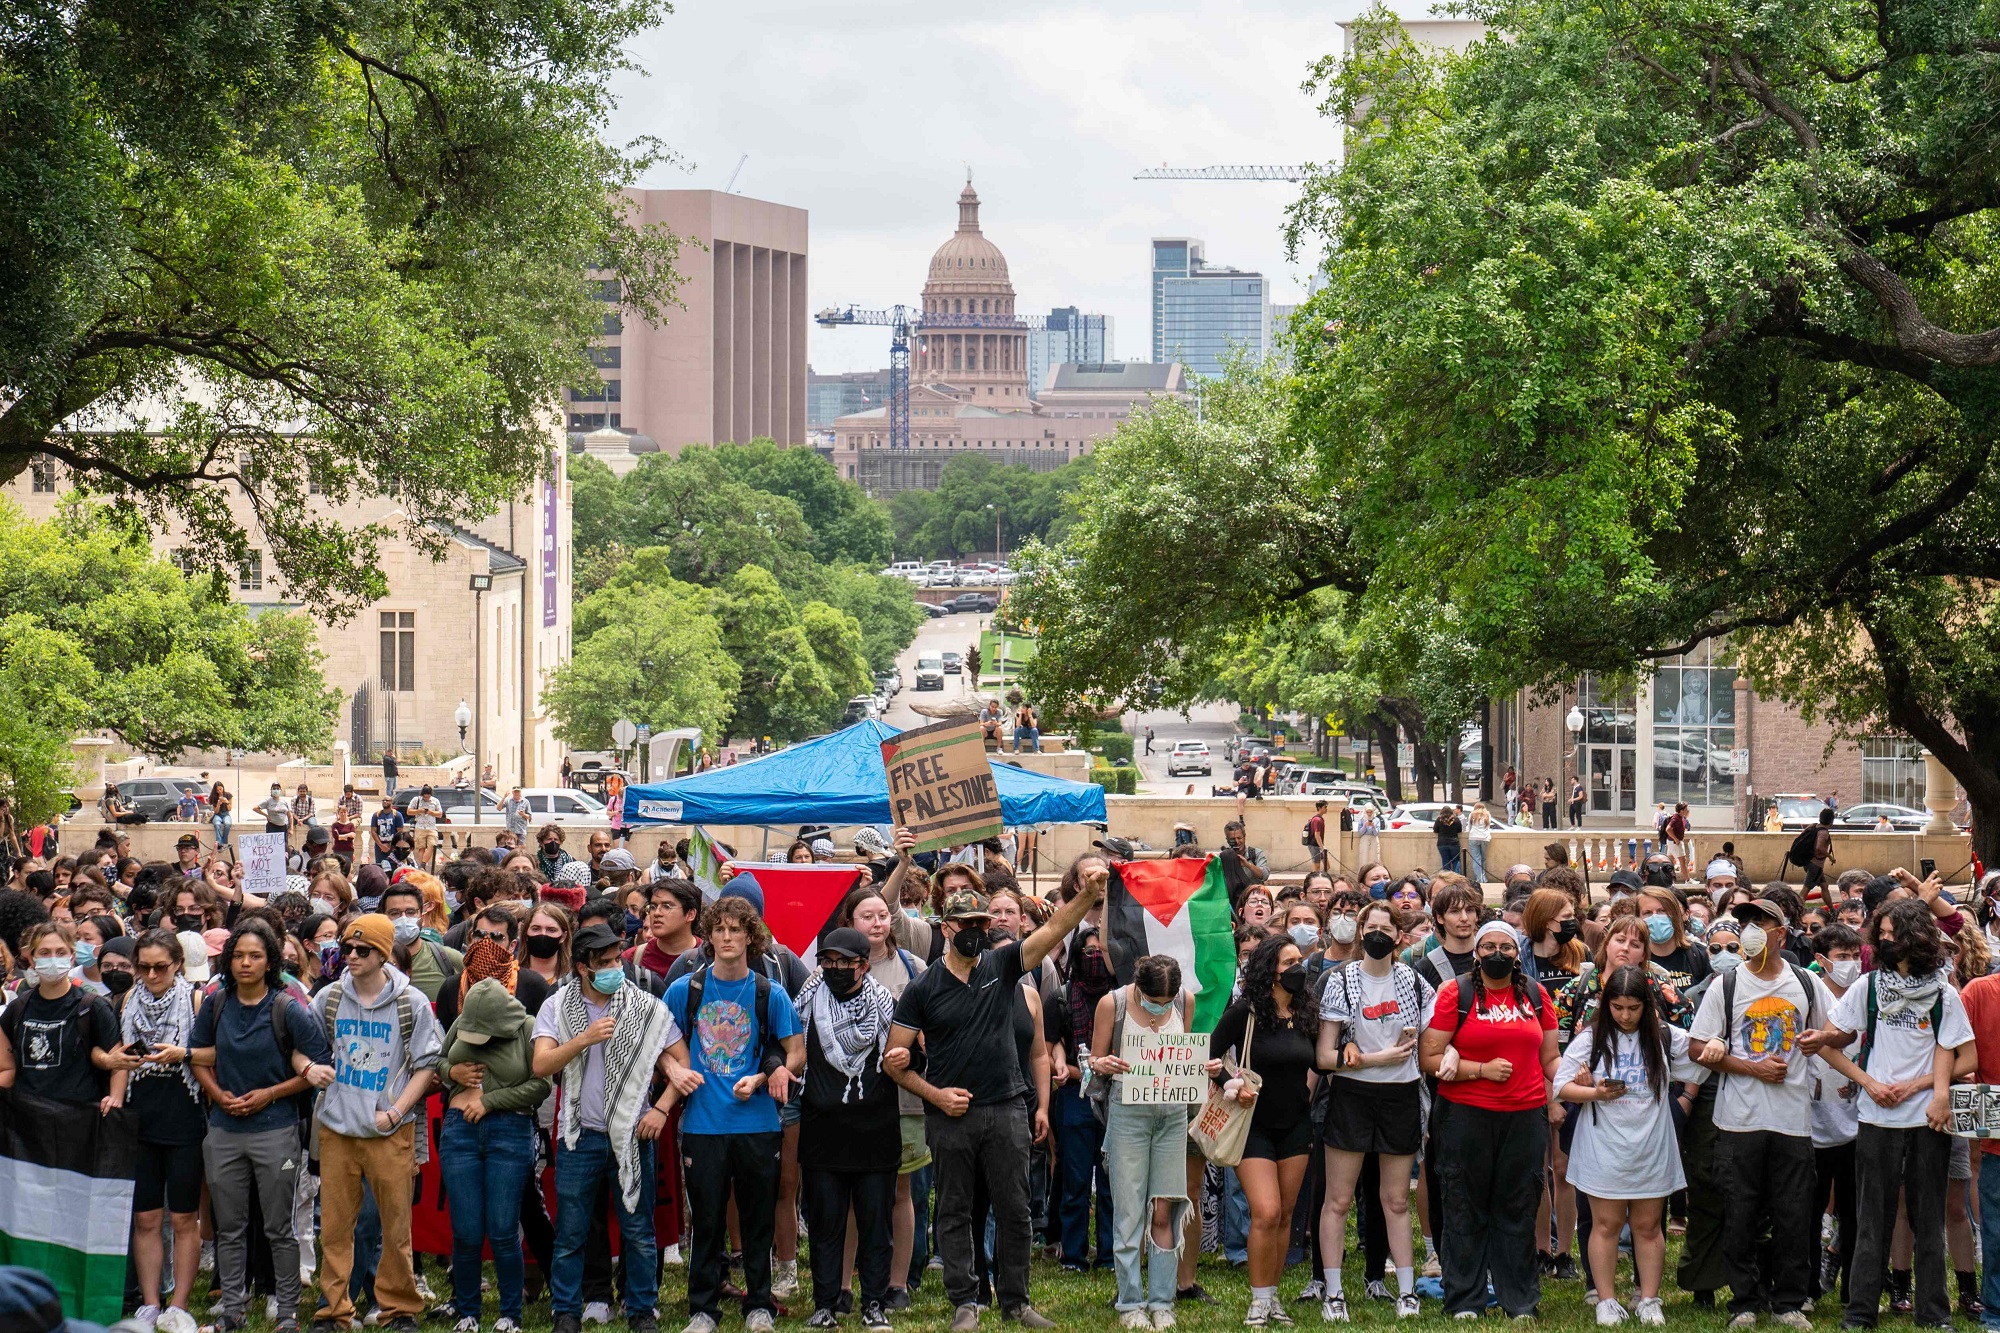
1917	937
1629	983
1260	974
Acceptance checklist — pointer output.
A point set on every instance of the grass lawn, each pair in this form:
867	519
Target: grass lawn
1082	1301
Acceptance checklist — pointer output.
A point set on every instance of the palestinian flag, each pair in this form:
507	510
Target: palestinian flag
800	901
1178	907
66	1198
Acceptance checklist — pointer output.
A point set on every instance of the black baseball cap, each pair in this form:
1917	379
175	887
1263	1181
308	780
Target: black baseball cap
593	938
846	942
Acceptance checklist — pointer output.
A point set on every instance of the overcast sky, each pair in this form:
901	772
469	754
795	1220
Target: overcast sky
868	113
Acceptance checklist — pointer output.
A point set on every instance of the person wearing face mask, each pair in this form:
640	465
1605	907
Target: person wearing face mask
1302	925
972	1082
849	1144
1281	1049
92	933
1835	1119
429	965
1752	1029
1491	1043
1666	938
58	1041
1370	1014
1342	915
601	1041
1079	1132
1145	1145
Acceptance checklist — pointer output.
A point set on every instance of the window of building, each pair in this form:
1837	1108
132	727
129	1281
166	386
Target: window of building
184	560
1694	727
399	650
586	421
250	572
611	390
614	323
1892	769
42	470
606	289
606	358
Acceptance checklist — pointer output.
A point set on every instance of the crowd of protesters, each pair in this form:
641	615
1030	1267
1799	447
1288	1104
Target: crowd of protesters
1493	1097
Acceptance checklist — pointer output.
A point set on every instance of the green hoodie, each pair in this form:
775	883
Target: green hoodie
510	1084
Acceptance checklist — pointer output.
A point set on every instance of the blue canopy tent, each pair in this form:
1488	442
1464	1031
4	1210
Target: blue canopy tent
838	779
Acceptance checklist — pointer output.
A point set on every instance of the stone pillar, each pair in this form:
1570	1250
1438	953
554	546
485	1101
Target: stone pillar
1940	795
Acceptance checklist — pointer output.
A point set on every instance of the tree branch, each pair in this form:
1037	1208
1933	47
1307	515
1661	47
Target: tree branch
1915	331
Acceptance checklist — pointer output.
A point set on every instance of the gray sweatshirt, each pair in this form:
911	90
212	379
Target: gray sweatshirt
370	1066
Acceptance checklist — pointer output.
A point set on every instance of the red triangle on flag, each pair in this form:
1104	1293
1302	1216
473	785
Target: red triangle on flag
1162	888
799	901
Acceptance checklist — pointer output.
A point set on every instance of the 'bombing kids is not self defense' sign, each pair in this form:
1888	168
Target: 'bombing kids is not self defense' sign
941	784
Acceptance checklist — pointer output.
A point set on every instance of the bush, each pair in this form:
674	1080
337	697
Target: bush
1116	781
1113	746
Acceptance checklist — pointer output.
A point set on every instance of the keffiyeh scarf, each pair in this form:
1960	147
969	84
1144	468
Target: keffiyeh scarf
166	1019
851	1031
1896	993
642	1027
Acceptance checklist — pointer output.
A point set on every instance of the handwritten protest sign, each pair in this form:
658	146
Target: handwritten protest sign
1163	1067
941	784
263	858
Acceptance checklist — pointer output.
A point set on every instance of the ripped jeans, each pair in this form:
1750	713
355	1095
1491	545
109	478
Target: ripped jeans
1145	1155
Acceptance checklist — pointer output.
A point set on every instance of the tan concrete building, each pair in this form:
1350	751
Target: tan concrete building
729	365
969	381
403	664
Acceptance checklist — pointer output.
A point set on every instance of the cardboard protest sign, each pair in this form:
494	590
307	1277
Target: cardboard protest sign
1163	1067
941	784
263	858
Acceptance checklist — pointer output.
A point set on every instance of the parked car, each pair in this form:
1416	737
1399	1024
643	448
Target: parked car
563	805
930	673
954	664
933	610
976	602
1796	810
1189	757
1417	814
457	802
889	682
859	709
1860	818
904	569
157	798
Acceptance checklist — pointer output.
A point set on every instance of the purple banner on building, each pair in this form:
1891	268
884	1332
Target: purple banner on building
549	512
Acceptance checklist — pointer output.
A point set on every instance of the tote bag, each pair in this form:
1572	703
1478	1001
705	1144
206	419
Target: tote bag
1223	1127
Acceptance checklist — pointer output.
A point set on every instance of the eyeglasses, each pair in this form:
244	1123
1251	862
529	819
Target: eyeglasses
356	949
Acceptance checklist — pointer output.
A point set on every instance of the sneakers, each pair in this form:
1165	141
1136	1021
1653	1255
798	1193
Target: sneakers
965	1319
1258	1315
1748	1319
1378	1290
1432	1267
1466	1314
149	1315
1197	1293
1650	1313
1027	1316
402	1324
1333	1310
466	1325
505	1325
1163	1318
1313	1291
823	1318
1610	1313
759	1321
670	1255
899	1299
785	1278
1407	1306
1278	1316
1795	1319
597	1312
1135	1319
701	1323
874	1316
567	1323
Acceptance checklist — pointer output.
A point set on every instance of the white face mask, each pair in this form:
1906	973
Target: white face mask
53	969
1341	928
1843	971
1754	939
1307	937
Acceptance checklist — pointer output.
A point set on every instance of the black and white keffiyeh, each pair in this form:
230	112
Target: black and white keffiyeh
851	1031
1896	993
642	1029
166	1019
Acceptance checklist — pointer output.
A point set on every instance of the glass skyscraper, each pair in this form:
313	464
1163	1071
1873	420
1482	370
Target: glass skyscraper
1202	312
1069	336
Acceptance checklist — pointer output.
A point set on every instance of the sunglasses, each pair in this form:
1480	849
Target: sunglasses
1719	948
154	969
356	949
497	936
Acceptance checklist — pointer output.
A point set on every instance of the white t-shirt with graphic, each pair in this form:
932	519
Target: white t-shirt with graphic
1769	1018
1379	1023
1903	1049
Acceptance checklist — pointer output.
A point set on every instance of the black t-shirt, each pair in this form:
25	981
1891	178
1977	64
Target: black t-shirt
165	1110
1282	1058
1685	965
968	1026
856	1135
53	1040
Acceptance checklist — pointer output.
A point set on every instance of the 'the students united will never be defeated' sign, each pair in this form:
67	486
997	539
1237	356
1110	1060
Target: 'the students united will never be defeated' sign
941	784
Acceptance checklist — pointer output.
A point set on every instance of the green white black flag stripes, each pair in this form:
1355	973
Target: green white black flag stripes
1178	907
66	1198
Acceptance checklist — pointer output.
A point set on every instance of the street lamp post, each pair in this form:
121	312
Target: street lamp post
481	583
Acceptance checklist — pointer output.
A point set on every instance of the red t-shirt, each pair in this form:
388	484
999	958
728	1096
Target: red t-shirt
1504	1031
1981	997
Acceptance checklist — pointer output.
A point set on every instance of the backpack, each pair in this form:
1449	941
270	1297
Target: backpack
1099	1093
1533	989
1868	1034
773	1051
281	1031
1803	846
329	1009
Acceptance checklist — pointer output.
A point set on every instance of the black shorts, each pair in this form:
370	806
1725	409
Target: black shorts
1296	1141
168	1175
1385	1118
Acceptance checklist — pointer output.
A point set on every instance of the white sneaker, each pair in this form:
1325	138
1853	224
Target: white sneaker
1649	1311
784	1278
597	1312
1135	1319
1748	1319
1378	1290
701	1323
466	1325
1433	1267
1314	1290
1794	1319
149	1315
271	1308
1258	1315
173	1319
1278	1315
1466	1314
207	1256
671	1256
1407	1306
505	1325
1163	1319
1610	1313
1333	1310
424	1289
759	1321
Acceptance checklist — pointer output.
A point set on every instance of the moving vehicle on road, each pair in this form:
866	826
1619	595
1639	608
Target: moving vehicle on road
930	673
954	664
976	602
1189	757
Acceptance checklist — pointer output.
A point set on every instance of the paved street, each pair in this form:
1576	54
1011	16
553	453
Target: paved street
958	634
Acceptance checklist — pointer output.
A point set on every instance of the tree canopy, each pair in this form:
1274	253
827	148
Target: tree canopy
277	248
96	633
954	519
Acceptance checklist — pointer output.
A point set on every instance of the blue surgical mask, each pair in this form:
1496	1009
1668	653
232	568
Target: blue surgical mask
1724	961
407	928
1305	936
1659	927
1379	890
86	953
608	979
1157	1008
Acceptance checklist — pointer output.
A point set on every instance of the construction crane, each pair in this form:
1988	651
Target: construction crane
1221	174
900	321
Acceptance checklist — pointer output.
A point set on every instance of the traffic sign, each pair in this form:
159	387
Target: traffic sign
623	733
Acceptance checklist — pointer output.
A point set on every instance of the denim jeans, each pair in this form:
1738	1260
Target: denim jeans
922	1181
221	826
579	1171
1145	1154
1080	1142
484	1167
1476	854
1448	856
1235	1219
1989	1238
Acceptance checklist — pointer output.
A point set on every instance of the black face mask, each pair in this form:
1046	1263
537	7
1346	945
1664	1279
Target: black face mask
969	941
1293	978
1378	943
1565	931
117	982
543	946
1888	953
185	921
843	982
1497	966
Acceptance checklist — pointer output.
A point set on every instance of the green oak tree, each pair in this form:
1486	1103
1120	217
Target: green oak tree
647	649
846	526
302	253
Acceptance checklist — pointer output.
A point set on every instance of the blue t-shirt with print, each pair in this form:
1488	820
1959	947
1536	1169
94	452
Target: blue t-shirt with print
724	1044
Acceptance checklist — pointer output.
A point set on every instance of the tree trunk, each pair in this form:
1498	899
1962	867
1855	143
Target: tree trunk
1426	766
1383	734
1486	753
